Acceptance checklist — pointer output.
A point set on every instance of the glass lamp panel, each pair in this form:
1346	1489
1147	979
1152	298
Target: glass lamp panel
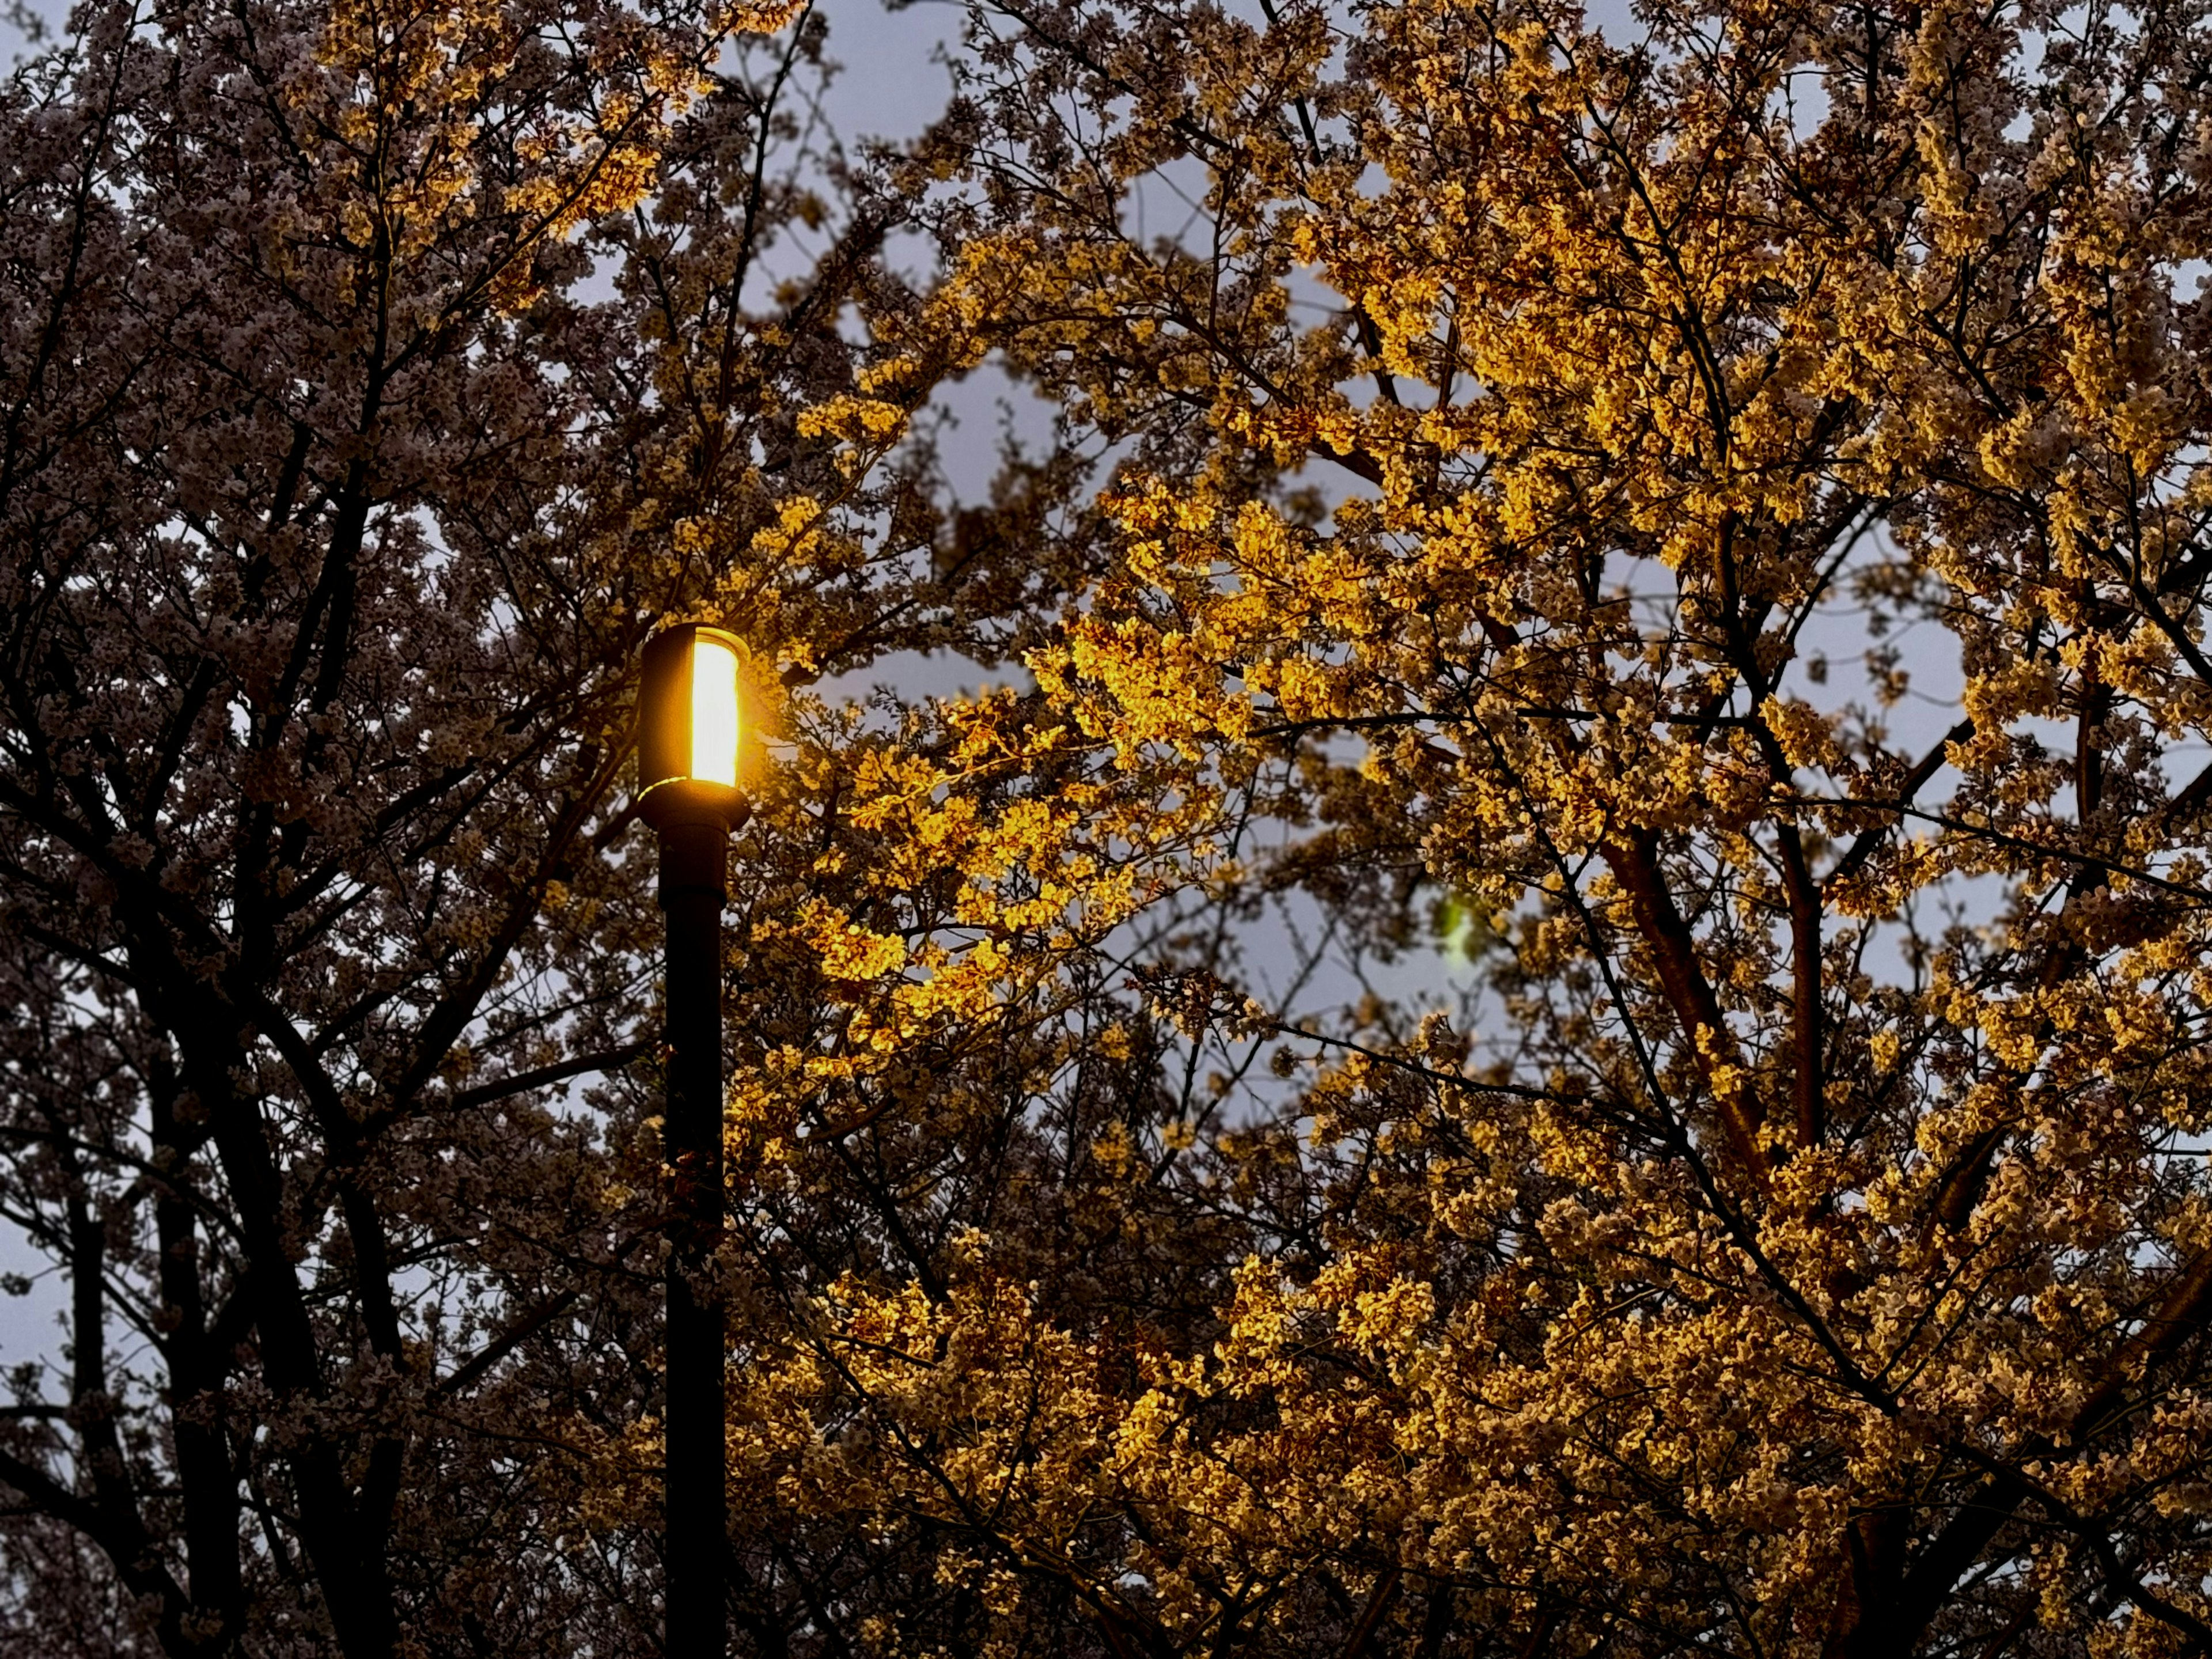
714	712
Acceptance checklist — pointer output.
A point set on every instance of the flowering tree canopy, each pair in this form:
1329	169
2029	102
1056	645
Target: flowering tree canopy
374	377
1564	1013
1543	463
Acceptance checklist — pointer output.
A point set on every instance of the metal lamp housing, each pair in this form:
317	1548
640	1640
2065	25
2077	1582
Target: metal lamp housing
692	713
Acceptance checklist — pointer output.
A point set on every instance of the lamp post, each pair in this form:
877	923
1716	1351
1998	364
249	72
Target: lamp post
687	763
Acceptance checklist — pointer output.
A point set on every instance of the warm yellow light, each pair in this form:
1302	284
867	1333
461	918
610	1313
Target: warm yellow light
714	712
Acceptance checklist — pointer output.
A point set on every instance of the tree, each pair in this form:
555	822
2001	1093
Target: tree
1793	1238
375	377
1800	1240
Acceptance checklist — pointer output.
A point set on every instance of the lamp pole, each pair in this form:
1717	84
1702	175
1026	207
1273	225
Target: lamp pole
687	771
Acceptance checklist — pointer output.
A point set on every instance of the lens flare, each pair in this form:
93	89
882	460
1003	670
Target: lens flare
714	712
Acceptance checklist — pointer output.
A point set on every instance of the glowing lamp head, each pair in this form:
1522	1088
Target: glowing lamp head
690	722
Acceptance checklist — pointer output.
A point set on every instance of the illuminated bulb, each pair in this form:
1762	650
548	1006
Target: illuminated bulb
714	712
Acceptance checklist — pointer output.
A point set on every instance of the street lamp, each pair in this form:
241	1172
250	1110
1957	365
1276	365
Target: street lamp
687	767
